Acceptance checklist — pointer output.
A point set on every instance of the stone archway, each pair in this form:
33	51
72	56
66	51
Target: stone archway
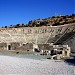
9	47
36	50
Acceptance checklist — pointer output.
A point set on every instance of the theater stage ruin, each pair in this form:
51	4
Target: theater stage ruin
47	40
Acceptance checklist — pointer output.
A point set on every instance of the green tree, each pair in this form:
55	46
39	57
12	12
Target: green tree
17	26
23	25
5	27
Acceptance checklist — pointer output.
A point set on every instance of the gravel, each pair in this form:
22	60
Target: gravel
10	65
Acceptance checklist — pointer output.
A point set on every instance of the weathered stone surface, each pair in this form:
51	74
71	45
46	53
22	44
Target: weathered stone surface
71	43
35	35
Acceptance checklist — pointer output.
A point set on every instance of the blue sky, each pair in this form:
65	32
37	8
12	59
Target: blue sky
22	11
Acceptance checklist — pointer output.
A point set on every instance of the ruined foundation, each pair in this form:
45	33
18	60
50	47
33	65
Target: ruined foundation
40	39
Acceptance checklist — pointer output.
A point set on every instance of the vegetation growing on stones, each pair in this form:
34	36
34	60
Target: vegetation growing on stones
51	21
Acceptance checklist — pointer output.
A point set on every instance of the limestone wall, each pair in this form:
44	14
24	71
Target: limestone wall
35	35
3	46
25	48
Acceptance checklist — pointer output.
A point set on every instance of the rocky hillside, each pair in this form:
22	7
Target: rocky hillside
51	21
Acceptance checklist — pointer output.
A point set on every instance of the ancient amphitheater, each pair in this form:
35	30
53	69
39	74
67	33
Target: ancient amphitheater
13	38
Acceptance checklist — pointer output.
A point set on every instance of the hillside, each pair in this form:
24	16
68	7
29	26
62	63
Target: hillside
51	21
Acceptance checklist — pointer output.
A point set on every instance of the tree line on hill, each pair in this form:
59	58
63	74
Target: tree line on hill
50	21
